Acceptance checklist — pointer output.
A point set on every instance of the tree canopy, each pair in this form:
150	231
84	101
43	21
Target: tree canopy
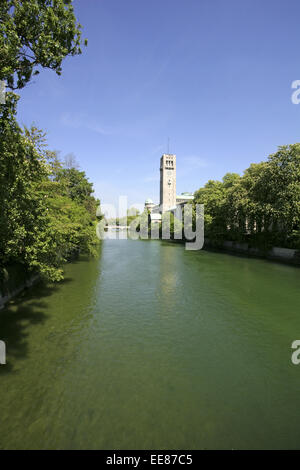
261	207
33	34
47	212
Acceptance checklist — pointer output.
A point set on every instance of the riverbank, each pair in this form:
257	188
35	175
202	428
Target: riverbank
279	254
17	280
283	255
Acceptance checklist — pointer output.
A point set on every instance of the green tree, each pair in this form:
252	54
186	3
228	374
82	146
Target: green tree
78	188
21	170
261	207
276	193
47	212
38	138
42	221
212	195
33	34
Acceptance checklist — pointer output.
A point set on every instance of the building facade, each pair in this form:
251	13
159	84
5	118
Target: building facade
167	182
168	199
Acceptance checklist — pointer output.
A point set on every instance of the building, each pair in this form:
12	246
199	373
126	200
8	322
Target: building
167	182
149	205
183	198
168	199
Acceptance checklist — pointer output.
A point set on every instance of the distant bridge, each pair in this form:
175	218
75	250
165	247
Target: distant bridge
117	227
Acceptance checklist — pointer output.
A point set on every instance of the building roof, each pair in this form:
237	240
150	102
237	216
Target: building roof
149	201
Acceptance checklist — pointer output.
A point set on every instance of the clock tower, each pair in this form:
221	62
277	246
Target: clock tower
167	182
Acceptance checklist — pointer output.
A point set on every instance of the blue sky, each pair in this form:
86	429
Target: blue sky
215	76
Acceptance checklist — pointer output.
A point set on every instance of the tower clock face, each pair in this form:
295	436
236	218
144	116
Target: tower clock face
169	173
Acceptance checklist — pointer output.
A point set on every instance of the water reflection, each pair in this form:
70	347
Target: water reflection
151	346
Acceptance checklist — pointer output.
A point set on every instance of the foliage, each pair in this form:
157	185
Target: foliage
47	212
132	214
36	33
171	225
262	207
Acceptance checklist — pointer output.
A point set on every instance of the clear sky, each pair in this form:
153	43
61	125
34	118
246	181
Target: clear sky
213	75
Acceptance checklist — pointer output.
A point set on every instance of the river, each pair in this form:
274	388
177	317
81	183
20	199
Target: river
150	346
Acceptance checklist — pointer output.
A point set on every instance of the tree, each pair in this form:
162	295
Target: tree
21	170
261	207
76	184
132	214
47	212
171	225
38	138
43	219
70	161
230	179
213	198
33	34
278	191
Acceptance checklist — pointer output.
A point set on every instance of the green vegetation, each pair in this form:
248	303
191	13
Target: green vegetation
48	212
35	33
262	207
132	214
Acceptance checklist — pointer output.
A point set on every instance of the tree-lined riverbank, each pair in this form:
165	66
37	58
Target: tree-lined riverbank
48	211
261	208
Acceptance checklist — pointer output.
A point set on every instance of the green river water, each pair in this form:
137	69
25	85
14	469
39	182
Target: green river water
150	346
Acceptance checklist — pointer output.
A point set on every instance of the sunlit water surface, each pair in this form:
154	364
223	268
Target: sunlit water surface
152	346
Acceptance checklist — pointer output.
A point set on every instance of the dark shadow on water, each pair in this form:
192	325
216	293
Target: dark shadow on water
24	310
27	309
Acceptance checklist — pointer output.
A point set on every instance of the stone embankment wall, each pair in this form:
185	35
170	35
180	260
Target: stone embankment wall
285	255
